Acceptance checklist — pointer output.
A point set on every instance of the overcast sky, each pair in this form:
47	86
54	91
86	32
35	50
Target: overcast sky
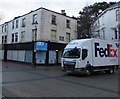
14	8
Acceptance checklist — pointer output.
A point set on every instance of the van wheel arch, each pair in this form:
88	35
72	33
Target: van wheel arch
89	69
111	70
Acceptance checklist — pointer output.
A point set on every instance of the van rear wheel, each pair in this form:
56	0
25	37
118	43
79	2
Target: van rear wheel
110	71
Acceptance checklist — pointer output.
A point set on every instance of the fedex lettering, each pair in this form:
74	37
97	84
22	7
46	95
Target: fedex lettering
105	52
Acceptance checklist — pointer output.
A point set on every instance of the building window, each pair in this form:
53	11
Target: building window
23	22
67	37
53	35
4	39
13	24
115	33
35	19
98	34
16	23
34	34
16	37
22	36
3	29
119	32
12	37
117	15
68	23
103	33
53	20
61	38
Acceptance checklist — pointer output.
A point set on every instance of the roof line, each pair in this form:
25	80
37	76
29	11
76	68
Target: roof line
115	6
37	10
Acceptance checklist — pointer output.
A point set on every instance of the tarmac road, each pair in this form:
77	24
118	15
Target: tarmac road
21	80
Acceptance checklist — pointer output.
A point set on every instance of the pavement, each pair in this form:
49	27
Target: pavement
21	80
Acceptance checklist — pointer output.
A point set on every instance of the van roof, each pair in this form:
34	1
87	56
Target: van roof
77	43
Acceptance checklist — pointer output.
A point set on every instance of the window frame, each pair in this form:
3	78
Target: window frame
53	35
54	20
23	22
67	38
17	21
16	37
67	23
117	15
13	23
22	35
13	38
35	19
34	34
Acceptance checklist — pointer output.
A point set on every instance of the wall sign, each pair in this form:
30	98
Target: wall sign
41	46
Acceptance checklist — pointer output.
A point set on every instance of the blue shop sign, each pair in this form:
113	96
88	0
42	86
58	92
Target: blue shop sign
41	46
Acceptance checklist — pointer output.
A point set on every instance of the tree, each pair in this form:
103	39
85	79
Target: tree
88	14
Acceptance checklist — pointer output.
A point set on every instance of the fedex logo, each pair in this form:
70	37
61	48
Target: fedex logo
117	45
105	52
75	43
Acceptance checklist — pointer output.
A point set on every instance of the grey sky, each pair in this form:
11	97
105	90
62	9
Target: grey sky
14	8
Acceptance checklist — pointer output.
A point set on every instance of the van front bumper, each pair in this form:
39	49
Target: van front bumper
75	70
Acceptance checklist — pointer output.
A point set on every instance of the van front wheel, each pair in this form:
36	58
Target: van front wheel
88	72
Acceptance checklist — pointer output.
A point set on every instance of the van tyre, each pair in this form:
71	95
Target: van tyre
88	72
111	71
70	74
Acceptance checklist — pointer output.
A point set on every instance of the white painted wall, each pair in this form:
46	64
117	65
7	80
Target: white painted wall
107	22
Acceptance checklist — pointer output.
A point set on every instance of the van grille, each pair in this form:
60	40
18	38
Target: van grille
70	66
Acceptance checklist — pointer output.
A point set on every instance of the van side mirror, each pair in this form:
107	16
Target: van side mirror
84	53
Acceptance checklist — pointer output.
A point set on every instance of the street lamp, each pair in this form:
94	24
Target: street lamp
34	46
35	31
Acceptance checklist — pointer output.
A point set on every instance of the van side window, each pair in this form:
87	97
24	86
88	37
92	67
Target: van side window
84	53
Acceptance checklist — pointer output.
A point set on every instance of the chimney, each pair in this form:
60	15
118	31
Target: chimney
63	12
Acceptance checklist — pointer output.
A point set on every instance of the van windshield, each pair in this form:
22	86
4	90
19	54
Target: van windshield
72	53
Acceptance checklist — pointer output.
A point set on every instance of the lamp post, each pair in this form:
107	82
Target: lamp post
34	46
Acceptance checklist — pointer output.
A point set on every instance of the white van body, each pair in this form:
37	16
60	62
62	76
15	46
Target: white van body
89	55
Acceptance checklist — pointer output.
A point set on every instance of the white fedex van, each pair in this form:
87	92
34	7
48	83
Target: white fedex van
89	55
